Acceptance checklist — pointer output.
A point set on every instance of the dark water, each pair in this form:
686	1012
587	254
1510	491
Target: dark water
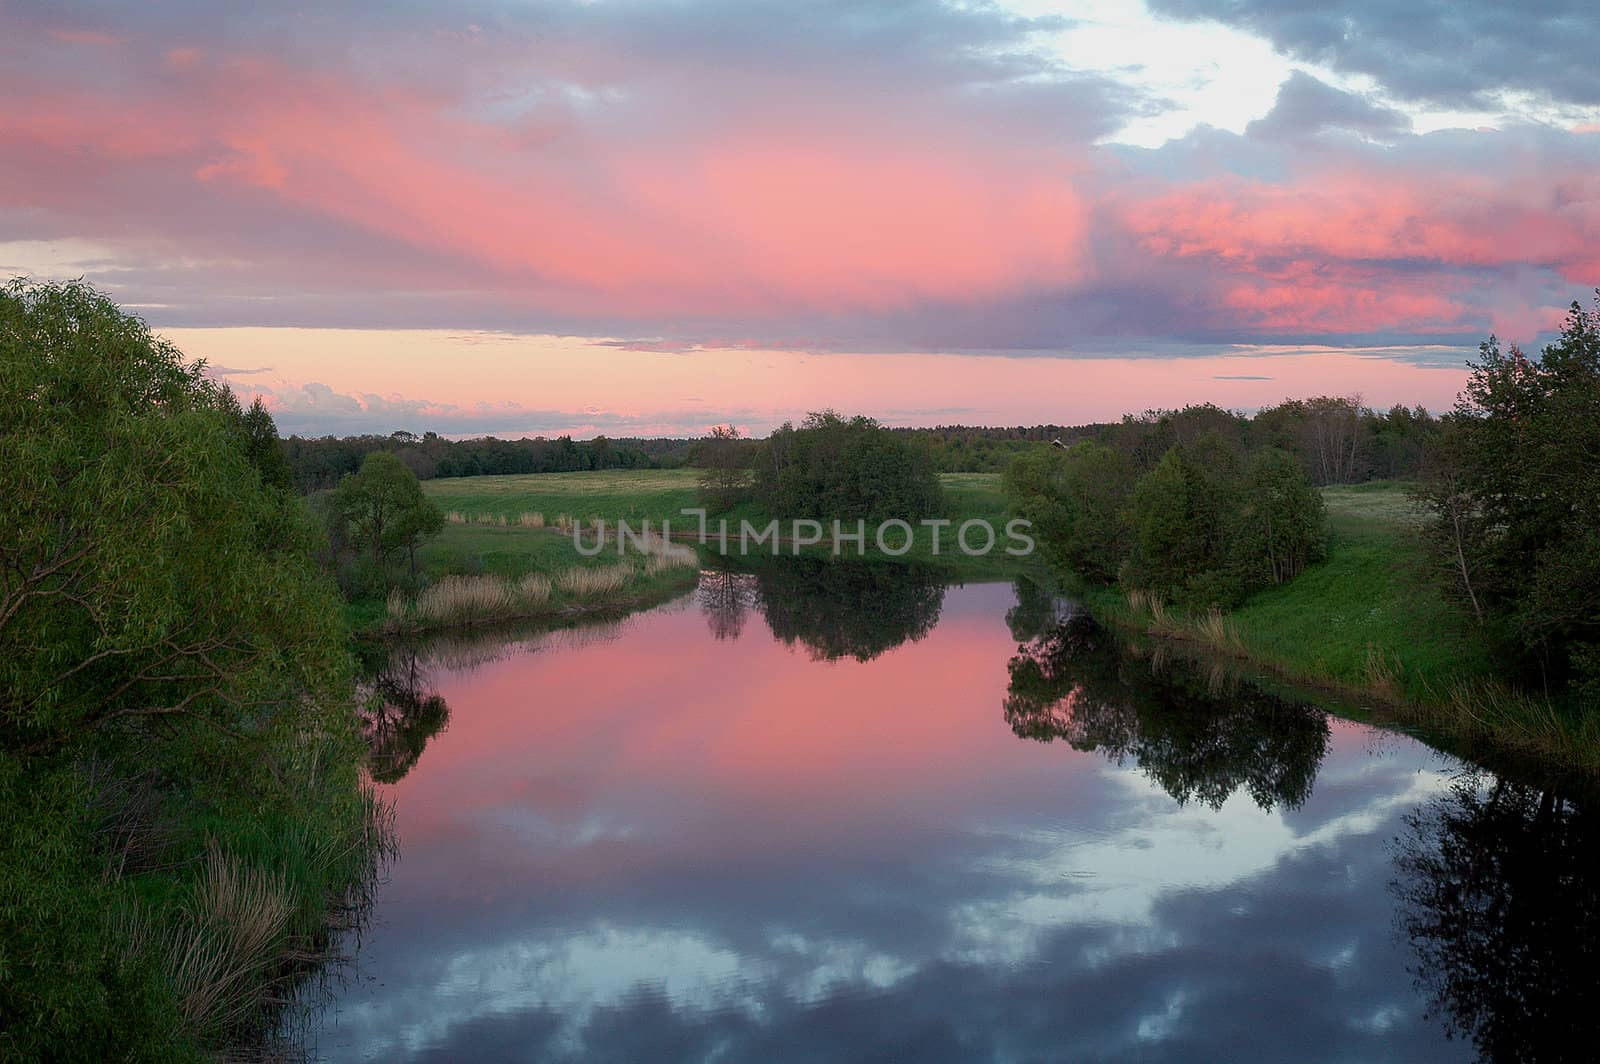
854	815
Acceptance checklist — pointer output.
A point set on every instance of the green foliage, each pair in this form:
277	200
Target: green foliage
316	464
833	467
148	572
1514	489
381	509
68	988
1206	526
1280	524
1180	513
1075	499
173	675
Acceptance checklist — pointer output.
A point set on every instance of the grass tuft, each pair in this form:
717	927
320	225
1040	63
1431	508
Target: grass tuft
218	954
592	582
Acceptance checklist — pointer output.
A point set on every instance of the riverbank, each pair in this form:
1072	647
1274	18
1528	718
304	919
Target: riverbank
1368	622
481	573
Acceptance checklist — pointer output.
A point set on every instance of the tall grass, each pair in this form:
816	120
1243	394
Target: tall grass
218	954
458	599
534	589
480	599
588	583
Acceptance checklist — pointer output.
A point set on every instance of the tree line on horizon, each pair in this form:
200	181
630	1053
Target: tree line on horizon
1339	440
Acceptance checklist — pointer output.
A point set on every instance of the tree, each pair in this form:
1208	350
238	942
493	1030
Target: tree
1457	534
1075	498
845	468
1515	498
383	509
1279	526
164	631
723	460
1179	513
145	569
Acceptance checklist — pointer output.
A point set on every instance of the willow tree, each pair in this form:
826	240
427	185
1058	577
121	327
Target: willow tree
146	571
163	631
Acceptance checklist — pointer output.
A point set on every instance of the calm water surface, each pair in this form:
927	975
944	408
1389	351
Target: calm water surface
859	816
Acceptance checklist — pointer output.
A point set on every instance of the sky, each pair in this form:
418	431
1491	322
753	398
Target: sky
632	217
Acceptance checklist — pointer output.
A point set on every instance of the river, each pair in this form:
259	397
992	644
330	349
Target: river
854	814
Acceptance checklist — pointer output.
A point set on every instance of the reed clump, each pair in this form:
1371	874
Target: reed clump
593	581
534	589
219	953
1217	632
458	599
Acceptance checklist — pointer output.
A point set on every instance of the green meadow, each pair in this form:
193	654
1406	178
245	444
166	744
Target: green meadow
1369	621
660	495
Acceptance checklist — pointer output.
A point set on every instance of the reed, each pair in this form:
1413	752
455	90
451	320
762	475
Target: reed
532	519
534	589
590	582
456	599
219	953
1217	632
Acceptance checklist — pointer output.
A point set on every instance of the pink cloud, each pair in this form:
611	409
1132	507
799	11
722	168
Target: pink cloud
578	173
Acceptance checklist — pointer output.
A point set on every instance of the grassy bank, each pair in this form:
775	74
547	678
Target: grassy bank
1369	620
476	573
173	924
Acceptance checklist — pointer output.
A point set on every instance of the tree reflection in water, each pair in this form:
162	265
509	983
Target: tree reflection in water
399	714
1499	885
1192	732
834	608
726	597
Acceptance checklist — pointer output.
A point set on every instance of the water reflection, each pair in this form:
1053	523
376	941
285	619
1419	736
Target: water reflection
834	608
1500	888
1191	730
726	597
400	711
670	846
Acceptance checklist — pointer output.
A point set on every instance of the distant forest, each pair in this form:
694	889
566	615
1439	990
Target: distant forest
1339	441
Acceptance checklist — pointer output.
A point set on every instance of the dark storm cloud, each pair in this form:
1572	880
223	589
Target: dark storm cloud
1450	53
1306	106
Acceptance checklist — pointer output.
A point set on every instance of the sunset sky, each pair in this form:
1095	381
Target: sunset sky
644	218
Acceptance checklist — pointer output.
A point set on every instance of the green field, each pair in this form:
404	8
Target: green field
614	494
660	495
1371	609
